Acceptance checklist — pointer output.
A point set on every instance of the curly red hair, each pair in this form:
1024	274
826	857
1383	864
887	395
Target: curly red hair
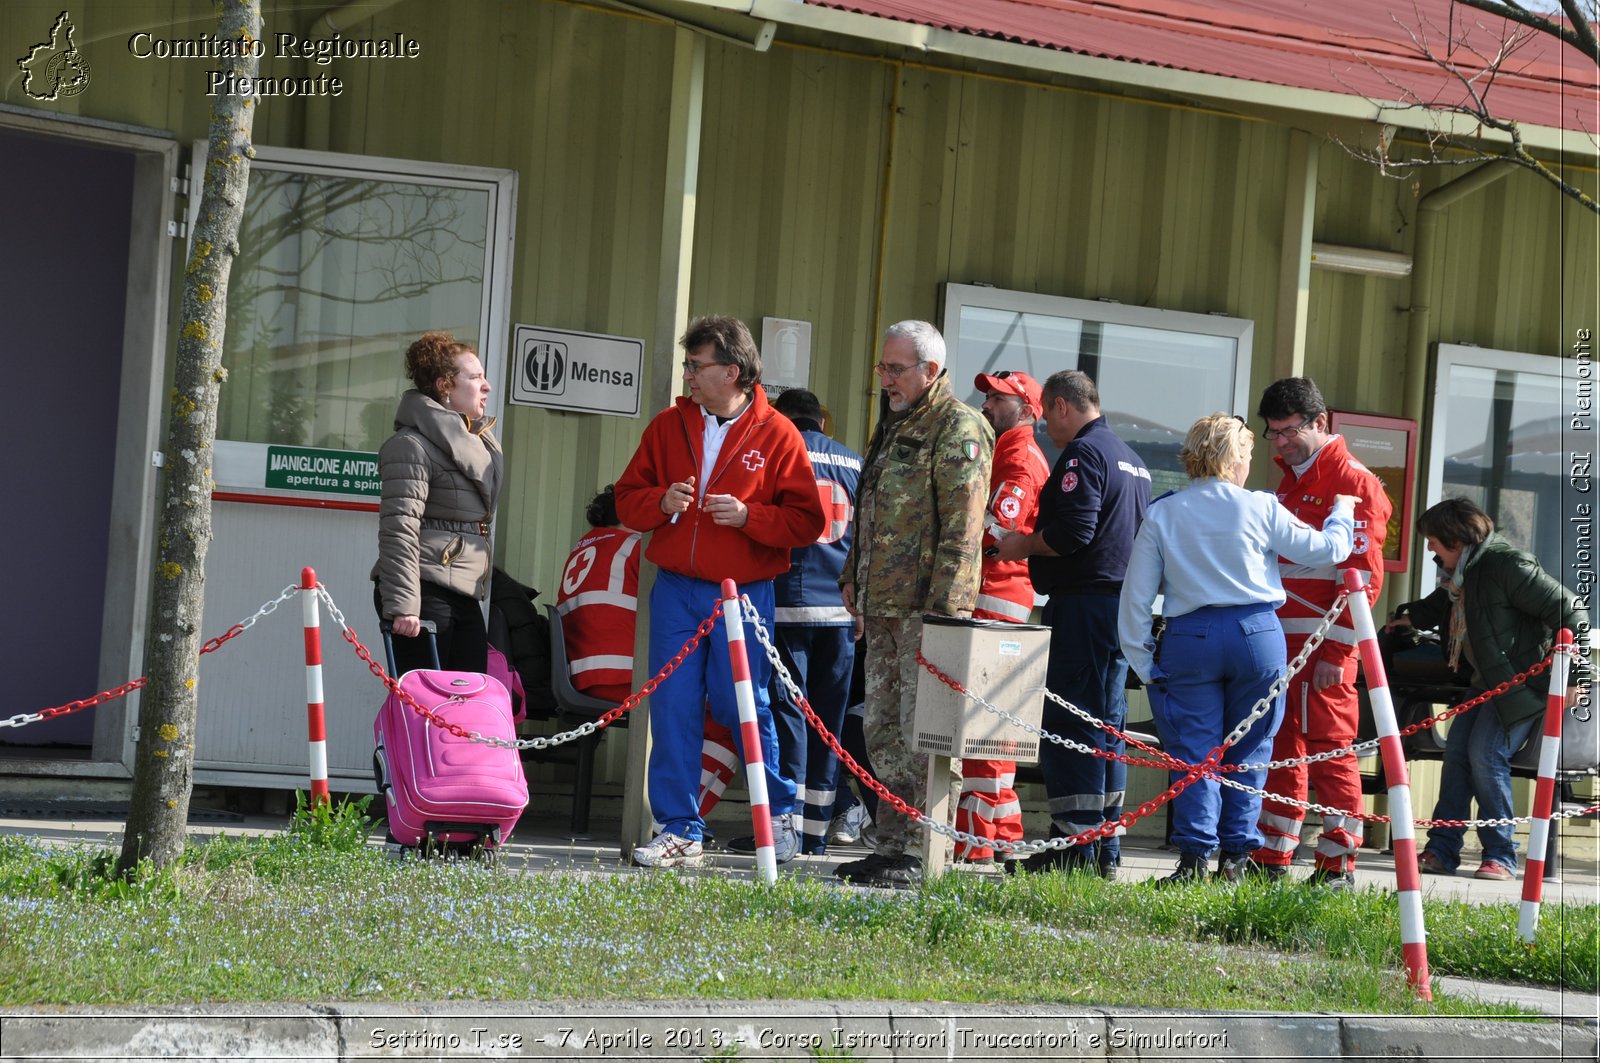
431	362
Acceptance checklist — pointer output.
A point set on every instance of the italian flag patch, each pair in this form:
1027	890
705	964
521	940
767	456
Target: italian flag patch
970	449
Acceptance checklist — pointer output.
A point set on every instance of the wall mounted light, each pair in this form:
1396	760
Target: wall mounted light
1361	260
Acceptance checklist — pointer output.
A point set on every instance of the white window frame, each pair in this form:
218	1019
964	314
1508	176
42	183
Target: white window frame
1240	330
1451	355
334	535
494	326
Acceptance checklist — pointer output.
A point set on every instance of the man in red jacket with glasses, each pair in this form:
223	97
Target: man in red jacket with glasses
1321	710
724	486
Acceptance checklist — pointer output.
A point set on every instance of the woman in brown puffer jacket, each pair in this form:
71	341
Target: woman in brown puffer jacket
441	472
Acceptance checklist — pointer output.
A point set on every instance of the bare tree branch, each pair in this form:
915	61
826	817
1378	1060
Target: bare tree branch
1471	73
1579	32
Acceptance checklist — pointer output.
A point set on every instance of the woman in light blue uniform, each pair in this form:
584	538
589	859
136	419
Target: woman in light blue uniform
1211	550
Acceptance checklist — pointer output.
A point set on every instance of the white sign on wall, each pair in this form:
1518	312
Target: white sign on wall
581	372
785	354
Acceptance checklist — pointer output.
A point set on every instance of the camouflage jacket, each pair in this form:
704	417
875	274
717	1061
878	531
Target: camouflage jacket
920	508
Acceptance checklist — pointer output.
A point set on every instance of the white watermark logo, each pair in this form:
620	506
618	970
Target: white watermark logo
55	69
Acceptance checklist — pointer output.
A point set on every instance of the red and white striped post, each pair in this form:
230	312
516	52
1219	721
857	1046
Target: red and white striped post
316	724
1402	827
1544	789
755	769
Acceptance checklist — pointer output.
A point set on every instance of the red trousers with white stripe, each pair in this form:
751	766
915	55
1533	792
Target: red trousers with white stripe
989	807
1315	721
719	763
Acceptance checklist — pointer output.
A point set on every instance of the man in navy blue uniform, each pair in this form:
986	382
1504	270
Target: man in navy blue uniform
816	635
1077	554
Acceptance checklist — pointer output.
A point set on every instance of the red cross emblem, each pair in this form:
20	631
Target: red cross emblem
836	507
754	460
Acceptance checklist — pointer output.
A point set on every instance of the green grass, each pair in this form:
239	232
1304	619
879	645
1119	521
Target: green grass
315	915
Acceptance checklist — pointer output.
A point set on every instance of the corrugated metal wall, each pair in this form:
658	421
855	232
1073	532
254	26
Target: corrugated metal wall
576	102
1081	194
789	216
1515	269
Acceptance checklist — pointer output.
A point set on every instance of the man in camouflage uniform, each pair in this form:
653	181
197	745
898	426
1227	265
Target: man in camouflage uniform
919	532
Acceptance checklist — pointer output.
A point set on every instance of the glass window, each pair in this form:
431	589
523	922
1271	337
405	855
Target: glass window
1157	370
336	276
1500	438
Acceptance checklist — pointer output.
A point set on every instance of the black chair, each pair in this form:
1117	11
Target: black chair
576	707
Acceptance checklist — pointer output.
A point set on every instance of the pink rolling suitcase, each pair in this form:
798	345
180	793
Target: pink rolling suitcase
442	790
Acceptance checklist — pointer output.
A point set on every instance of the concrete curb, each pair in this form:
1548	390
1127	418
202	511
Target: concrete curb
763	1030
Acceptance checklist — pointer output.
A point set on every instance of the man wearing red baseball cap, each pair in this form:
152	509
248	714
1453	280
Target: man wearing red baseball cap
1013	401
1009	382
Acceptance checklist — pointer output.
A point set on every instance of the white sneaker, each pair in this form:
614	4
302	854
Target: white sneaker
785	841
846	827
669	850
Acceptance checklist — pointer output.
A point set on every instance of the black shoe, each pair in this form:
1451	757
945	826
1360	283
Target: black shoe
1110	870
851	869
1265	872
1074	858
1233	867
1336	881
894	872
785	842
1191	869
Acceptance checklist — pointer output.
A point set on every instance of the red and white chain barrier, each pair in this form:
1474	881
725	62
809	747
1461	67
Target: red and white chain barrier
588	727
23	719
1408	877
755	769
316	716
917	815
1544	789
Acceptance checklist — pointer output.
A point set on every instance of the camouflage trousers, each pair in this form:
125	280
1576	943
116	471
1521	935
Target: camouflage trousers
891	702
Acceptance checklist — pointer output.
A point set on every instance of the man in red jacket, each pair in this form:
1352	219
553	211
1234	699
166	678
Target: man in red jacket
1321	711
725	487
1012	402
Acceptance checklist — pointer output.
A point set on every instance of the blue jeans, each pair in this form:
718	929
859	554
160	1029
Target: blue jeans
703	681
1477	767
1212	667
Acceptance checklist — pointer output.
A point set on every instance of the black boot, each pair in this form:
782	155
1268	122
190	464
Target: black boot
1191	869
1073	858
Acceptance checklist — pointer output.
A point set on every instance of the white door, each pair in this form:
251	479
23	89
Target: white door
344	261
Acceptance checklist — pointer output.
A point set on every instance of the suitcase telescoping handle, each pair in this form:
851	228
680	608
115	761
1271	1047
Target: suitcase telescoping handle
428	626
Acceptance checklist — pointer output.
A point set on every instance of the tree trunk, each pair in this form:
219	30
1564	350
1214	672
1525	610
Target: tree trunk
163	770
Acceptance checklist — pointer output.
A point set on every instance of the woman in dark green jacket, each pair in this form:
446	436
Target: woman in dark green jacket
1500	611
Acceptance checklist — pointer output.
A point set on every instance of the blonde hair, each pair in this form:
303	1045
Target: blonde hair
1216	443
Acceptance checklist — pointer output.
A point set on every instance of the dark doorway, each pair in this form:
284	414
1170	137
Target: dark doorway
64	280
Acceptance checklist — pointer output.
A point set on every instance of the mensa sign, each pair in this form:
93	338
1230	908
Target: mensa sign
581	372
